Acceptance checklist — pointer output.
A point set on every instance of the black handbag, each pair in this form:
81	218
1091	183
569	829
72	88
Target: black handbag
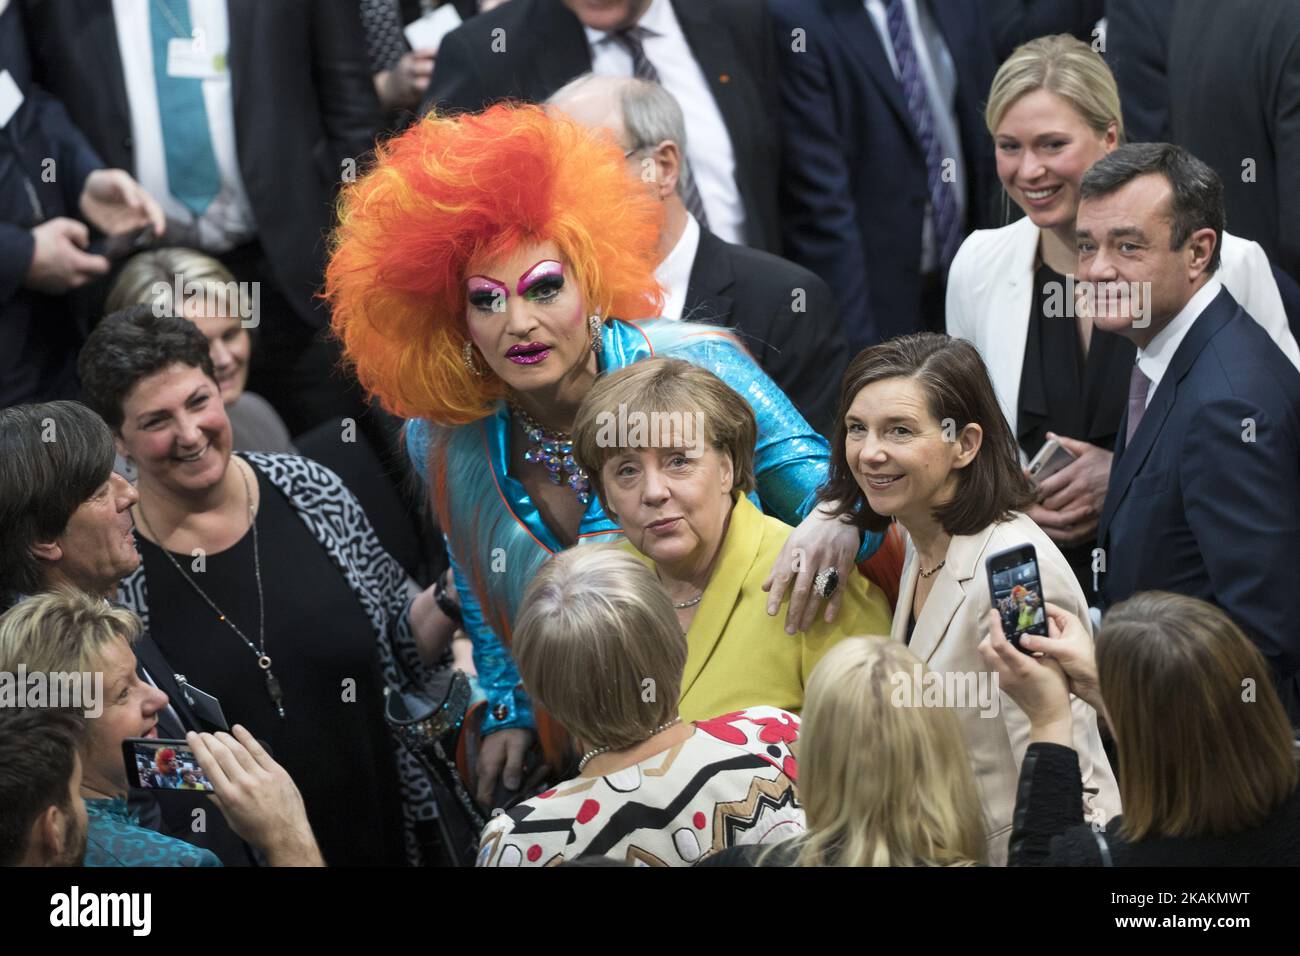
428	724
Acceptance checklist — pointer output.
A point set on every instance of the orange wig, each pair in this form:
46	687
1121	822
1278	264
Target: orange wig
452	192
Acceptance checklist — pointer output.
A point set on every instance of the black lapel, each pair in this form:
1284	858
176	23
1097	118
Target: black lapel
562	52
711	43
707	298
101	45
149	657
243	16
857	32
1131	457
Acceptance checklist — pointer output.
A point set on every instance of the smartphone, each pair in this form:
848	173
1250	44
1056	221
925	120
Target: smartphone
1017	592
128	243
1051	458
155	764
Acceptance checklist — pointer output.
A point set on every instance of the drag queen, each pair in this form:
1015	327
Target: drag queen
484	273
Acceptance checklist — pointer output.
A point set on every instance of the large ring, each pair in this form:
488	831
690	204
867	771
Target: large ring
827	580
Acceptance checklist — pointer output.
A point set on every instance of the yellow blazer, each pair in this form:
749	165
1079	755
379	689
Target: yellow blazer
740	657
946	635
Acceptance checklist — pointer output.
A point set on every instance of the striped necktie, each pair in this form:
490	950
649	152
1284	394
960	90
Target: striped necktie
943	201
643	69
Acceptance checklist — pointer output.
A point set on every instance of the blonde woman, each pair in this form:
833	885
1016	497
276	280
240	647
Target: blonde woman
189	284
598	647
882	784
1206	752
1054	111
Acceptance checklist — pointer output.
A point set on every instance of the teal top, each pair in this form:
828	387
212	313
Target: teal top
114	837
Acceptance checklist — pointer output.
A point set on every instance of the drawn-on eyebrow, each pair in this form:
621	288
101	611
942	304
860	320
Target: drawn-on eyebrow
538	271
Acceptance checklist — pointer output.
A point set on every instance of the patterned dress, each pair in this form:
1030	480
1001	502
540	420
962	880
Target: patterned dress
114	837
730	784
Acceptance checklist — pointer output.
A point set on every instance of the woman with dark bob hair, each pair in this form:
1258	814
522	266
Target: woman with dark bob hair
263	582
920	439
1207	755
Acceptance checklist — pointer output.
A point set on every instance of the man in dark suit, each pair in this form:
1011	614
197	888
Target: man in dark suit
243	134
65	521
887	160
783	313
715	57
1231	89
1204	494
50	179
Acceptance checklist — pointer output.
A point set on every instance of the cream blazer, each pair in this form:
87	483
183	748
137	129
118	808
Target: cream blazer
945	637
991	290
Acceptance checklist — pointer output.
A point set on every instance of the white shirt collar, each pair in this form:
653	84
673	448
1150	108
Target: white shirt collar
674	273
657	20
1155	358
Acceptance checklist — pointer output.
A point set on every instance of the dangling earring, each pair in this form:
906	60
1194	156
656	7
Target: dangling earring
593	326
467	354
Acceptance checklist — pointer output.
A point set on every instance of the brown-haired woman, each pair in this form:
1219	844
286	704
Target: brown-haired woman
920	438
1206	753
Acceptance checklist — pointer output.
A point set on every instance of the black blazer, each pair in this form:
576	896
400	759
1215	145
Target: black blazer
784	314
545	47
304	102
854	185
40	334
1206	499
1234	92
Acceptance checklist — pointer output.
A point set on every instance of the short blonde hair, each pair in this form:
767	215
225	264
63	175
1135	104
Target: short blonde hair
599	647
666	387
1063	65
62	631
143	273
882	785
1198	756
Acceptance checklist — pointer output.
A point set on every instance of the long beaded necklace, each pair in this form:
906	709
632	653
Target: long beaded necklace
553	450
259	649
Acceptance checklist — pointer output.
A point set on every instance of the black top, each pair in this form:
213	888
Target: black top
332	739
1049	828
1066	392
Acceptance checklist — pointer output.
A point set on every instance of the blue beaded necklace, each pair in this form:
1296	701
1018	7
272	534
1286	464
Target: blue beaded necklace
554	451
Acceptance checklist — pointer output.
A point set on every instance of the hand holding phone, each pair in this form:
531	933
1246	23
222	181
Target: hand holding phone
1016	591
1051	458
156	764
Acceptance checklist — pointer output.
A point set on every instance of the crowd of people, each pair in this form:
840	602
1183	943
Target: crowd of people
649	432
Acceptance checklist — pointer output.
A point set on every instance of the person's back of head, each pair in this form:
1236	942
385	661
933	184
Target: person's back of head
599	647
882	784
53	458
1205	748
43	822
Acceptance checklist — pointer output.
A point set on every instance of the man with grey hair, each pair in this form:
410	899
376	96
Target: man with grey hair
1204	492
784	313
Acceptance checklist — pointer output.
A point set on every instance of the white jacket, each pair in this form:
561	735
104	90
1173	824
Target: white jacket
991	290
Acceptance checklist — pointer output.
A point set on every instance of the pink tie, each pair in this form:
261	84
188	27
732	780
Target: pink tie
1137	401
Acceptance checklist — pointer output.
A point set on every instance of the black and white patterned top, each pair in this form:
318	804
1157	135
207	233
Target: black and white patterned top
337	521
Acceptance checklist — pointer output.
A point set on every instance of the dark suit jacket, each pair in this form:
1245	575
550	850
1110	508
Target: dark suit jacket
855	188
1206	499
303	102
1234	93
545	47
39	334
1137	40
173	813
1014	22
794	335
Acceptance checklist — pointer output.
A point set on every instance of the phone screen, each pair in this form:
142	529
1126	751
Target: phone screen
1018	598
163	765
